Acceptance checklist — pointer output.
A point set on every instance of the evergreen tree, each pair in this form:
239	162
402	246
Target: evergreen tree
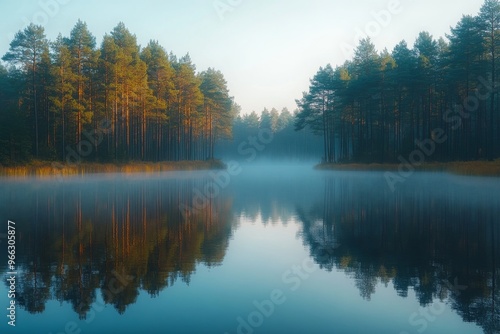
63	87
160	79
26	50
81	45
489	21
218	109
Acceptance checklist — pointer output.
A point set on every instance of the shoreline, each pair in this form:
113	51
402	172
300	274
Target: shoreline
470	168
41	169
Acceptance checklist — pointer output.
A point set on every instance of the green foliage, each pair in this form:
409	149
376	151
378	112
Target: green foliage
15	143
27	50
27	47
217	104
252	138
379	106
119	102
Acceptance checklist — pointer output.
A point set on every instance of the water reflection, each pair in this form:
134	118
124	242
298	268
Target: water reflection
77	239
443	244
111	238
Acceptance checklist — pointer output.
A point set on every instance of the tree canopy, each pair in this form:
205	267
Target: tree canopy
72	100
379	106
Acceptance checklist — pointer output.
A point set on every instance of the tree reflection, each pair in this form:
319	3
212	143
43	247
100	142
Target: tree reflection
85	241
438	245
114	241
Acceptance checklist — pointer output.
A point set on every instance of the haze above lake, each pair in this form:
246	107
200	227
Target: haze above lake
276	250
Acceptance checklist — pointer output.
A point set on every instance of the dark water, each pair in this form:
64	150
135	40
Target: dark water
267	250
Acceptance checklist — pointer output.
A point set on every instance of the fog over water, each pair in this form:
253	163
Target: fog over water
215	245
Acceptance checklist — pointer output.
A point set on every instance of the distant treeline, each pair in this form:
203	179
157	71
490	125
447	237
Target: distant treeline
68	100
379	106
270	135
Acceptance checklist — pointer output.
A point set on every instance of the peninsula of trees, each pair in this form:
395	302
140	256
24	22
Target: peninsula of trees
68	100
378	107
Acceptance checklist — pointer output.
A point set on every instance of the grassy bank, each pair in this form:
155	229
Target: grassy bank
48	169
472	168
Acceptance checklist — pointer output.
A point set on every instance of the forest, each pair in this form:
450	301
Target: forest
68	100
269	135
381	105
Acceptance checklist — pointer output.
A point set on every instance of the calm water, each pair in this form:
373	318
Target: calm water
270	250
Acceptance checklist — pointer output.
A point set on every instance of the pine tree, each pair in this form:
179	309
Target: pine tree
217	107
489	20
15	142
406	67
63	87
188	98
160	79
26	50
316	108
81	45
465	62
130	82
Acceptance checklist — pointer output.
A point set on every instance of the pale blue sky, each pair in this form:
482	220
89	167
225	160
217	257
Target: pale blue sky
267	49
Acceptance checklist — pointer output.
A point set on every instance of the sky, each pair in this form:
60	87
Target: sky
267	49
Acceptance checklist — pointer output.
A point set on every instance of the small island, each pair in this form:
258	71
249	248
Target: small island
51	169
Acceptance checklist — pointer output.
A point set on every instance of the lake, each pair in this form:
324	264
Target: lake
263	249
